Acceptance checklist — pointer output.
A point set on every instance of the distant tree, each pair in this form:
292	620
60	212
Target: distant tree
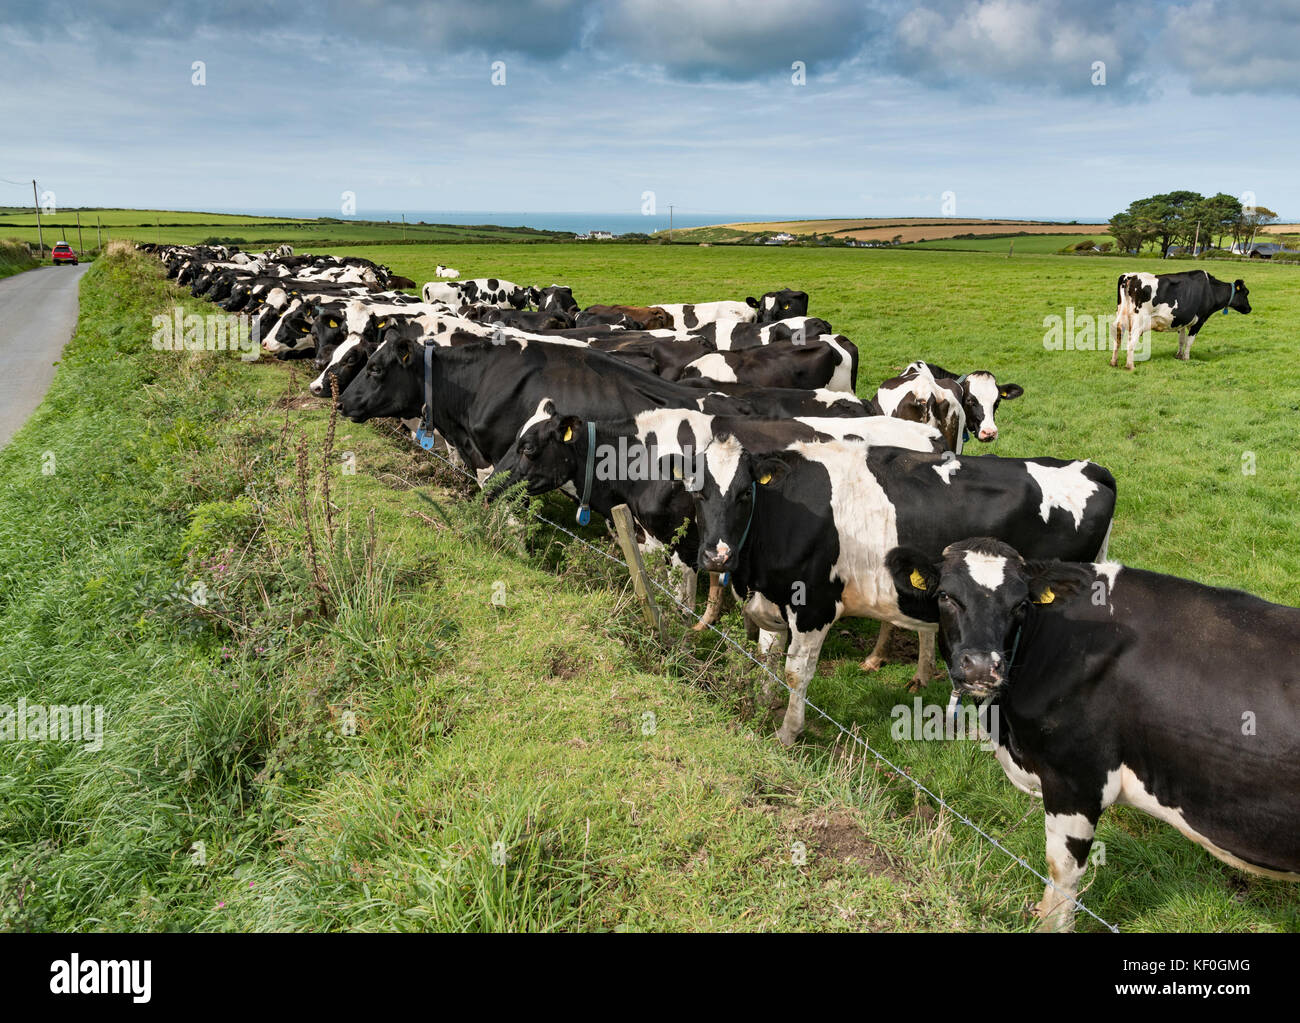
1218	216
1130	232
1253	219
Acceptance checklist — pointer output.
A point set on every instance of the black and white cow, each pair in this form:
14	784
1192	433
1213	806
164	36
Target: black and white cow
523	319
688	315
917	396
1182	301
647	461
805	531
981	396
1097	703
829	361
733	335
779	305
481	291
554	299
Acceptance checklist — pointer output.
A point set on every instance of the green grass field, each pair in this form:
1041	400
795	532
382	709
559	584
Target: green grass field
1038	244
183	228
522	725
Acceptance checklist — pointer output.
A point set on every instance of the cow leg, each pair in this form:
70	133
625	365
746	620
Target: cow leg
713	607
1133	332
800	666
924	660
687	585
876	659
1187	352
1116	329
1182	346
1069	838
771	647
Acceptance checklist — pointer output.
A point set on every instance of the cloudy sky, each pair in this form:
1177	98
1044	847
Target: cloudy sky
697	101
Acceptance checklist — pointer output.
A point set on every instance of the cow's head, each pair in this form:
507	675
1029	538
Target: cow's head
292	333
982	394
392	383
1240	296
724	481
779	305
983	591
351	356
545	454
554	299
518	298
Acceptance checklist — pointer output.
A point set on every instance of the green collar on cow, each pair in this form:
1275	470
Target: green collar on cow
425	433
753	499
584	505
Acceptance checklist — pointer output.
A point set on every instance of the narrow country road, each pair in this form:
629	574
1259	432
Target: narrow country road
38	311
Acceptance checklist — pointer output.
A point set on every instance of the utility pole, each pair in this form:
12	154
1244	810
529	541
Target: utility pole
81	245
403	227
40	238
1196	244
99	244
670	222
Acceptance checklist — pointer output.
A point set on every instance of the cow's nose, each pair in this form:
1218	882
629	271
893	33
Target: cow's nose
987	434
718	556
317	389
977	667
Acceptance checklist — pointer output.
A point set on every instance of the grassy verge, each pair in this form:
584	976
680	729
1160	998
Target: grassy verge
15	257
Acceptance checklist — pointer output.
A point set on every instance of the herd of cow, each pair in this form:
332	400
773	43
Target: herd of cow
733	432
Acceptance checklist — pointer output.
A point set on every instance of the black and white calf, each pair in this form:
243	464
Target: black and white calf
1181	301
805	531
1098	703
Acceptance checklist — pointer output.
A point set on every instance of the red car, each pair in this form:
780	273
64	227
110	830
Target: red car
62	253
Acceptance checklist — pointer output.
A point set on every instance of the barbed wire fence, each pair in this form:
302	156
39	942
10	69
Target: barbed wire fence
848	734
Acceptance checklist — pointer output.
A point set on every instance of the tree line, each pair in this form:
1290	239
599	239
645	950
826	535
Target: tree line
1181	218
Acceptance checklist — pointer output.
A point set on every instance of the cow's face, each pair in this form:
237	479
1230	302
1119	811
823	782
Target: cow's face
779	305
293	332
392	384
555	299
1240	297
982	396
983	591
518	298
546	453
724	482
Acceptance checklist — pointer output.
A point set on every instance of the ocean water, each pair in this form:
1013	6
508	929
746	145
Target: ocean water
579	223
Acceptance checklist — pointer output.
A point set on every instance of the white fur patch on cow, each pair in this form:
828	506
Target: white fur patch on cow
714	366
989	570
1132	792
1065	487
946	468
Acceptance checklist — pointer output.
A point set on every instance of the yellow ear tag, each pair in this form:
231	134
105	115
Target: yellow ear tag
334	323
917	580
305	330
765	479
1046	597
568	434
381	325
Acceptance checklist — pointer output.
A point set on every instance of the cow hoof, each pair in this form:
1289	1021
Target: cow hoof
872	663
1129	367
784	738
1114	363
917	684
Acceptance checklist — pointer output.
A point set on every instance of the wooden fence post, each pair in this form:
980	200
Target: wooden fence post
622	516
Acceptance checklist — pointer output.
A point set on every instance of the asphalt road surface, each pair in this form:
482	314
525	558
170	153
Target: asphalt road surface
38	311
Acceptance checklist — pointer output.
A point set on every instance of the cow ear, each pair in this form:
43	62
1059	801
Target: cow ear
751	301
770	472
404	351
570	427
913	572
1050	582
1010	391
